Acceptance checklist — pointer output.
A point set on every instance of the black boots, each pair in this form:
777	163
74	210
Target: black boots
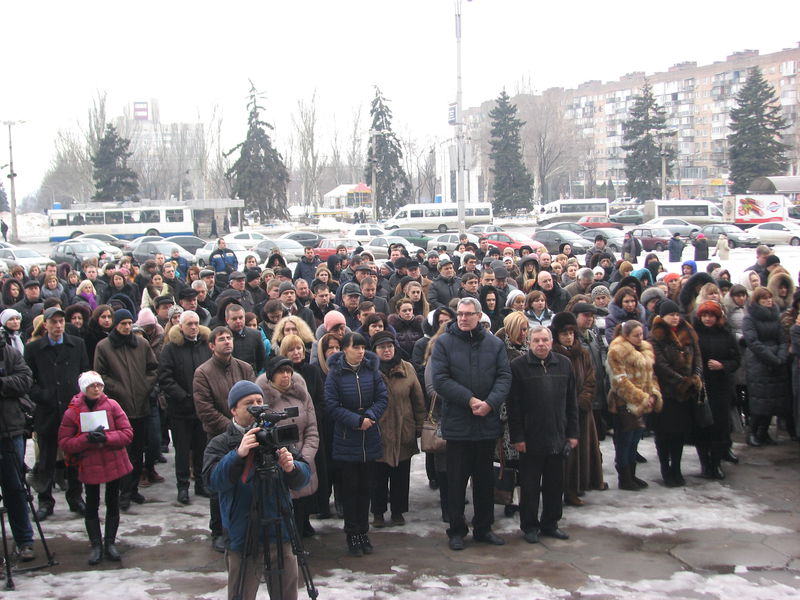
112	524
93	529
625	479
354	545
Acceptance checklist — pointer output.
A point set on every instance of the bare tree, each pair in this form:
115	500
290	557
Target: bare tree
427	174
355	154
311	163
336	163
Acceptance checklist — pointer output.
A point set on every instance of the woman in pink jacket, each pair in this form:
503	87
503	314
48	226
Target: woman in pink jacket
101	458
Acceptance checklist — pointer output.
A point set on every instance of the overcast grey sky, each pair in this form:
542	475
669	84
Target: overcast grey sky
194	55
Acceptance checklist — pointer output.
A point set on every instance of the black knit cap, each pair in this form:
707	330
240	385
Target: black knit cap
667	307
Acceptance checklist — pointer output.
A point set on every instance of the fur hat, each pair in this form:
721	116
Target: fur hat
276	363
710	307
563	321
652	293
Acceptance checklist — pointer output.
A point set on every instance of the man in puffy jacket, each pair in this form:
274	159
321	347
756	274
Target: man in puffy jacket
228	470
472	378
223	259
445	287
307	265
186	349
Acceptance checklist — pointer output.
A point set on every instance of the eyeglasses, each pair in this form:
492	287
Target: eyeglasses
465	315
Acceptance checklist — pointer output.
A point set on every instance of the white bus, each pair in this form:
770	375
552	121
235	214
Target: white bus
439	216
125	222
572	210
697	212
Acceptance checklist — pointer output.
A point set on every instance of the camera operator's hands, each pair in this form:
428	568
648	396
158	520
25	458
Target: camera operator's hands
248	442
285	460
98	436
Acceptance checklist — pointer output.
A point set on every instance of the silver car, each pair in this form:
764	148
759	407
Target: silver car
450	241
379	246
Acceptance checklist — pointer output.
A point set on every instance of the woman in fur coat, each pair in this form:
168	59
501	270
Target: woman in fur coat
678	369
584	467
634	393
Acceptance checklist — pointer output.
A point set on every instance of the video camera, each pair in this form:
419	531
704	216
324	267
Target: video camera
271	436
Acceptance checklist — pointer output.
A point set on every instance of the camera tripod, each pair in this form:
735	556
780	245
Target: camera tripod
6	450
268	472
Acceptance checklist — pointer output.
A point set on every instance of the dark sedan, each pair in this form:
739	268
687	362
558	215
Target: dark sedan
629	216
148	250
306	238
652	239
553	238
190	243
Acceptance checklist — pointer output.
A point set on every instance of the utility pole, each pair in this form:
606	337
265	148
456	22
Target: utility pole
373	134
663	171
459	126
12	175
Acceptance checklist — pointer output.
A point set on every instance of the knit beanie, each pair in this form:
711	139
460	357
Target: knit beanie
332	319
600	290
667	307
121	315
241	389
88	378
146	317
7	314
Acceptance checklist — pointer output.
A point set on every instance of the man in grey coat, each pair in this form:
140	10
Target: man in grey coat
472	377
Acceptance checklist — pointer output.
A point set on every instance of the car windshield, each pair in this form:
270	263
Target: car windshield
660	233
82	247
570	235
731	229
26	253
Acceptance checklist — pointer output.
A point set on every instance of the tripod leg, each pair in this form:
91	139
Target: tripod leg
6	558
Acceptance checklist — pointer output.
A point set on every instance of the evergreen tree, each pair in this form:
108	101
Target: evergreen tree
4	207
385	155
113	179
611	191
513	184
754	146
643	133
259	176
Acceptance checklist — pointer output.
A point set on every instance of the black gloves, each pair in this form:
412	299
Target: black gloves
98	436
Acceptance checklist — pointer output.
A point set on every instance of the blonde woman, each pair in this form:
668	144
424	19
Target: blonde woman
292	325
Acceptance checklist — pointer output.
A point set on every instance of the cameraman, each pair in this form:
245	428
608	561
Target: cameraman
15	382
228	470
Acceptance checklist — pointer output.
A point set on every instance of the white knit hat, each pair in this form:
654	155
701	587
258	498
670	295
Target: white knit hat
7	314
88	378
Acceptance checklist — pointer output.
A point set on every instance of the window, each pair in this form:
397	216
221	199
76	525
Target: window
450	212
114	217
58	220
482	212
433	212
415	214
75	219
95	218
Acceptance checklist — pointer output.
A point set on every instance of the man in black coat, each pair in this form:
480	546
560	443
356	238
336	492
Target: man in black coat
557	297
56	361
472	378
186	349
30	306
445	287
15	382
247	344
543	424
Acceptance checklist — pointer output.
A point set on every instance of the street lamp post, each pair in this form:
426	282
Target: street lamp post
663	171
459	125
12	175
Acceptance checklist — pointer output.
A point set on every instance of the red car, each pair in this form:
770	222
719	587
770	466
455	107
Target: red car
652	239
328	246
502	240
597	222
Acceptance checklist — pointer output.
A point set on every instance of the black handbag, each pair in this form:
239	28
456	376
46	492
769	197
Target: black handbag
505	480
702	410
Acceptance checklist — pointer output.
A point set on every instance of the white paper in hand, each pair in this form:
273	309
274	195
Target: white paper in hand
92	420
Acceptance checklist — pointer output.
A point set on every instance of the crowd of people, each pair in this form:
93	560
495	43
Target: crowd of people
519	359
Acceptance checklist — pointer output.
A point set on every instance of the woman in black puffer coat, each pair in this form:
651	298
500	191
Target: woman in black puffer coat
721	359
624	307
678	368
765	364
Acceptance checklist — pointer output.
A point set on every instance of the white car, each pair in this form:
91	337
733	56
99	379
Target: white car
24	257
107	248
673	225
203	254
246	239
379	246
364	232
777	232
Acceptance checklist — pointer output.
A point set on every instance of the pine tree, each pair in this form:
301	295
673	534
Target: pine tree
513	184
643	133
611	191
3	199
113	179
754	145
385	154
259	176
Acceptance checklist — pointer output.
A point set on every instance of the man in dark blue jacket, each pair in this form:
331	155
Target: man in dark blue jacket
223	259
307	265
228	470
472	377
543	423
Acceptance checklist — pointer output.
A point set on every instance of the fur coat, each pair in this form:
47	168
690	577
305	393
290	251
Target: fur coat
633	378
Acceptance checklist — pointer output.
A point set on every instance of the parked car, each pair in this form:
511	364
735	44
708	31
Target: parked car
74	253
502	240
306	238
673	225
737	237
291	250
328	246
629	216
104	237
379	246
99	246
483	229
24	257
415	236
148	250
596	222
364	232
552	239
786	232
653	239
190	243
566	226
449	241
203	254
614	237
248	239
133	244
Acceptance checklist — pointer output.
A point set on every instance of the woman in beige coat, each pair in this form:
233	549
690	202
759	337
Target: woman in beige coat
283	388
401	425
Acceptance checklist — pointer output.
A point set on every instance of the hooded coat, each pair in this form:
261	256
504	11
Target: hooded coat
97	463
775	281
617	315
678	368
765	360
401	423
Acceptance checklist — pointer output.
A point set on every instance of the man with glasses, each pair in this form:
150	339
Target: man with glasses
472	378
